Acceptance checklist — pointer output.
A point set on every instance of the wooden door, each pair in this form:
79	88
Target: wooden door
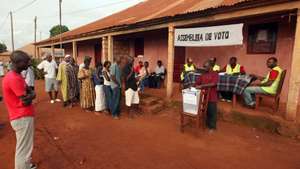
179	60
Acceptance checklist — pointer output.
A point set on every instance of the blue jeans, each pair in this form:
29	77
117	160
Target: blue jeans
108	93
144	83
115	101
249	92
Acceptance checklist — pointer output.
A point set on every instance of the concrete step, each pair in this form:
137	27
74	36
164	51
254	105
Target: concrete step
152	105
154	109
150	101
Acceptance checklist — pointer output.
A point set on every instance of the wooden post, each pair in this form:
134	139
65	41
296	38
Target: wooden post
75	54
170	63
110	50
104	49
294	82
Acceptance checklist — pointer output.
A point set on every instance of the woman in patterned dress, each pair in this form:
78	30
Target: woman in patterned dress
87	93
73	85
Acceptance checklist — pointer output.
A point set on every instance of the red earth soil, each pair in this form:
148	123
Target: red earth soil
72	139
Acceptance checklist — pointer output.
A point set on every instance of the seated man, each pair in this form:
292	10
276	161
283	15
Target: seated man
137	68
187	68
143	76
267	85
233	68
209	80
216	67
157	76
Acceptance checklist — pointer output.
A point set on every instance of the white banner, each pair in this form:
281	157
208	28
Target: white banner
225	35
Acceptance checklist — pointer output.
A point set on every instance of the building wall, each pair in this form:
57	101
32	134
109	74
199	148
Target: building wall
4	58
121	48
155	48
253	63
85	50
68	49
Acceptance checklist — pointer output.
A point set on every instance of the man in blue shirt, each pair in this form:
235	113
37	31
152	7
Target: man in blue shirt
116	74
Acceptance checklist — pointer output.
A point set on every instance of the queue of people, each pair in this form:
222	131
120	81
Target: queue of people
99	89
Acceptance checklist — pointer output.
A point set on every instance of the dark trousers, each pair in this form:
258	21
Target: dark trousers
154	81
115	101
211	119
107	93
226	95
32	88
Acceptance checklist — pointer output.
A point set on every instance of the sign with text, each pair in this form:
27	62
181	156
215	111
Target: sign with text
225	35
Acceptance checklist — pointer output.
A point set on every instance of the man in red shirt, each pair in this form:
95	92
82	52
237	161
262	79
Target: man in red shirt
18	100
209	80
137	68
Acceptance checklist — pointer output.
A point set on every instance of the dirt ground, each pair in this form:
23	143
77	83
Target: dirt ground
73	139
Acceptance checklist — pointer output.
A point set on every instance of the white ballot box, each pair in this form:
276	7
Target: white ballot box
191	99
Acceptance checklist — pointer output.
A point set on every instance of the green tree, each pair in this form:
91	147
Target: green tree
55	30
3	47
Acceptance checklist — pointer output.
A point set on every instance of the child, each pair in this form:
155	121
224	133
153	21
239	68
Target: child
209	80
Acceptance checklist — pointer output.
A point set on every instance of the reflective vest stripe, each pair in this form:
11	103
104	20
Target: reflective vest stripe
236	69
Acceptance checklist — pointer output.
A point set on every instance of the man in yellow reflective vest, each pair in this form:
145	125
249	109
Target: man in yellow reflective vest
266	85
216	68
187	68
232	69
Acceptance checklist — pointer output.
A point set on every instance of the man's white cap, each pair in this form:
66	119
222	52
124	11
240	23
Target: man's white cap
67	56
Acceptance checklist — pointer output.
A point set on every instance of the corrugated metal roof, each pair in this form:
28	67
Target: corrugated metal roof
147	10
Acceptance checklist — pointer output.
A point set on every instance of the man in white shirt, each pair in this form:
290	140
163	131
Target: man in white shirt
29	77
50	67
159	74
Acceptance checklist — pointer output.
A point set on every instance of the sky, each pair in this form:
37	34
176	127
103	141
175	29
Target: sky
75	13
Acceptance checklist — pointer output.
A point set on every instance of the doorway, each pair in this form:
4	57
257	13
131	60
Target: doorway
179	61
98	53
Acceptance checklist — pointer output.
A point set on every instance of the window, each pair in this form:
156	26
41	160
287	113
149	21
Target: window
262	38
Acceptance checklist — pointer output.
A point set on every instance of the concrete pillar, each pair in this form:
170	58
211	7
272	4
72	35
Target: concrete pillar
170	62
37	52
131	48
104	48
110	48
75	53
294	81
52	50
